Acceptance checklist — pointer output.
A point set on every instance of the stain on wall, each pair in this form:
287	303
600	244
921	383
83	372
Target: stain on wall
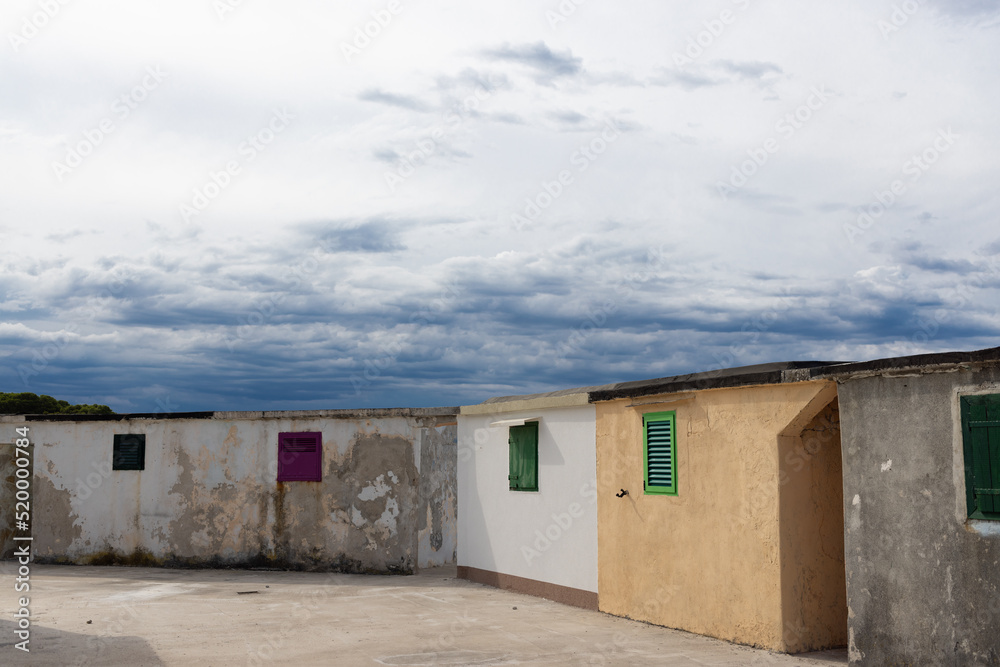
923	580
7	500
437	520
209	494
54	525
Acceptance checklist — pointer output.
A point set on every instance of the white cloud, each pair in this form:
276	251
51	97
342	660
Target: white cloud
304	263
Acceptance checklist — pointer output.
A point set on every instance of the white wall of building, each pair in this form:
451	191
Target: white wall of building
549	535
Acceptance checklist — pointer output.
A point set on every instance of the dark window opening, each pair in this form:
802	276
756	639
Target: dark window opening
129	452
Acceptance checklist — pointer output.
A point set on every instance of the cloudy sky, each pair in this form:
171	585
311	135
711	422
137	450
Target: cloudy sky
237	204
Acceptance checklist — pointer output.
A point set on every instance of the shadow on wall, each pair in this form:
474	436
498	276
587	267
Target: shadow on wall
813	571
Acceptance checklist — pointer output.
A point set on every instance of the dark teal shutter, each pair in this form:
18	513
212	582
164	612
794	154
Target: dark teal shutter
660	453
129	452
981	439
523	457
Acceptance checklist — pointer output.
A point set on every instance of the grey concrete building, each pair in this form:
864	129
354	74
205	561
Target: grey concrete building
921	462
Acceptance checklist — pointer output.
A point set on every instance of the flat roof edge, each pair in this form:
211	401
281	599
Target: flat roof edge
778	373
535	403
357	413
932	361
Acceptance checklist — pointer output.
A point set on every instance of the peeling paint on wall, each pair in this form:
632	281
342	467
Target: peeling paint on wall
209	497
54	524
437	539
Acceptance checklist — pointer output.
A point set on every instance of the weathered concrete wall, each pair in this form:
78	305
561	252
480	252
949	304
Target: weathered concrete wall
710	560
437	521
923	581
209	495
8	499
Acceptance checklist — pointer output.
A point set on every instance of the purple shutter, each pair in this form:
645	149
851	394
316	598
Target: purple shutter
300	457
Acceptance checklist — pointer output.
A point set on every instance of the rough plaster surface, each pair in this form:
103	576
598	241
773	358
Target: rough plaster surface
813	585
437	520
7	499
209	497
709	560
923	582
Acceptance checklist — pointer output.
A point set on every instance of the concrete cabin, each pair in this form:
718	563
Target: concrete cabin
536	534
921	441
772	572
350	490
721	501
739	533
792	506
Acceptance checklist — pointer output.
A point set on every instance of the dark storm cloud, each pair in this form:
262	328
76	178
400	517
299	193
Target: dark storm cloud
392	99
547	64
368	237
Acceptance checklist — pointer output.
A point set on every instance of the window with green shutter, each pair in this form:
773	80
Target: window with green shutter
523	442
981	440
659	450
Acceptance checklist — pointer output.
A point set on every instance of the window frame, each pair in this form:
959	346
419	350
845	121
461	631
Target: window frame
659	489
511	485
969	449
116	456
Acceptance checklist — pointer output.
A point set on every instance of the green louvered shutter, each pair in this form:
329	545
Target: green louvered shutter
981	440
523	441
659	445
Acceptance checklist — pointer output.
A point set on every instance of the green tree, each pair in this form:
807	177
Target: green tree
26	403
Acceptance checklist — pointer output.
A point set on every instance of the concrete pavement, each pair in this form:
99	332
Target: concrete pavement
147	616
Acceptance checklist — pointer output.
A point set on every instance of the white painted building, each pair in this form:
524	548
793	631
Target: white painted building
543	541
